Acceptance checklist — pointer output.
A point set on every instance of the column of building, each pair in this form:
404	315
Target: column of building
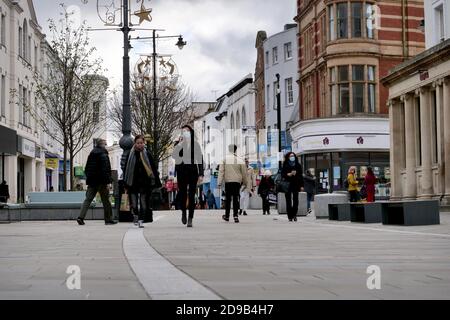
446	114
426	190
396	129
410	191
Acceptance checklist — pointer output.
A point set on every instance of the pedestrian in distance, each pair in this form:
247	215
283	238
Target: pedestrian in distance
292	172
370	180
141	177
245	193
4	192
266	186
352	183
211	200
310	188
189	172
233	174
98	179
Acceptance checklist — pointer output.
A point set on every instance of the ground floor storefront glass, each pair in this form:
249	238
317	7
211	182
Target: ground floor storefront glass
330	169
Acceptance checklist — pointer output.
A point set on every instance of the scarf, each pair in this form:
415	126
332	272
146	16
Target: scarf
131	163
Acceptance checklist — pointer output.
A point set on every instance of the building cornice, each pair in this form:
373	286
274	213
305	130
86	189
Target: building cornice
440	52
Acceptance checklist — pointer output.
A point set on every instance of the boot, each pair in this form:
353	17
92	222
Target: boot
141	224
240	211
189	224
183	218
245	213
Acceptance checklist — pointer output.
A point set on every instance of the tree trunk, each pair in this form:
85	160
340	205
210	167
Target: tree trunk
65	166
72	173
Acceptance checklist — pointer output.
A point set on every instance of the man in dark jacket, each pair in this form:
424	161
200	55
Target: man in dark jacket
98	174
4	192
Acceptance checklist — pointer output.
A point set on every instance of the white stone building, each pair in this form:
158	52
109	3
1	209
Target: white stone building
419	105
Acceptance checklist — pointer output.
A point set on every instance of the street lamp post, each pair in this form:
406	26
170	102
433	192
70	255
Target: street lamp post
180	44
278	91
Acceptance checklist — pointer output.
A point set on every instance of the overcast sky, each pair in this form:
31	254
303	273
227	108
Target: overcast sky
221	36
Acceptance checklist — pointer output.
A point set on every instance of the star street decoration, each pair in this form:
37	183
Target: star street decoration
143	14
166	70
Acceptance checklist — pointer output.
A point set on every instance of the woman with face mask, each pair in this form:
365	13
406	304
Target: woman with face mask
292	172
189	171
140	177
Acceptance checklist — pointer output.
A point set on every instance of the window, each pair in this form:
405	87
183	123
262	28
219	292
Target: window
308	112
332	33
370	13
20	41
289	91
371	88
238	121
3	29
96	113
275	55
209	134
267	58
25	39
244	117
268	97
356	19
36	58
3	96
342	15
323	33
344	87
308	45
439	18
358	88
288	51
232	121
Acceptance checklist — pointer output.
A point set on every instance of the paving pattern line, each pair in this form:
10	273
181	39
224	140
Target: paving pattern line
160	279
377	229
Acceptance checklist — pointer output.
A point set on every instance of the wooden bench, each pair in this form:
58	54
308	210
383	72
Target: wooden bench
411	213
339	211
59	200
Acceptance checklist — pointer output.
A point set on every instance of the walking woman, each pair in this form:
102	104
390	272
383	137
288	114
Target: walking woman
352	184
370	181
189	171
292	172
141	177
265	187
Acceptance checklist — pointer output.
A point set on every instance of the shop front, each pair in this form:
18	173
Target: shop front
8	145
349	142
51	171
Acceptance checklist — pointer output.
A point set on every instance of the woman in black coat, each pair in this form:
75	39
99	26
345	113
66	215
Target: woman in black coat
292	172
265	187
141	177
189	171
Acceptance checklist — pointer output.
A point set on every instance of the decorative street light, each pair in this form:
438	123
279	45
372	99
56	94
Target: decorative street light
108	13
180	44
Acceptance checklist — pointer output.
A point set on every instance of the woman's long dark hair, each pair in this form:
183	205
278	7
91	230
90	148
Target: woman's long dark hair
286	157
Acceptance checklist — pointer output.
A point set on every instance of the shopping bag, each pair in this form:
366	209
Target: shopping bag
272	198
125	202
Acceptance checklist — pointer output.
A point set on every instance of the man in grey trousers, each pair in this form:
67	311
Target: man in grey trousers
98	174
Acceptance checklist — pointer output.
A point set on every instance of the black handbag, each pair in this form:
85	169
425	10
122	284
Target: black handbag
363	192
281	184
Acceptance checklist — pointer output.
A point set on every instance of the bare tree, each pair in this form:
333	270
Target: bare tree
69	91
174	110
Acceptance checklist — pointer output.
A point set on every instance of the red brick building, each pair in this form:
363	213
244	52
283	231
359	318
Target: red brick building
345	48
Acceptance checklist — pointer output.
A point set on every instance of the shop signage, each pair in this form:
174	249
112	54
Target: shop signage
79	172
51	163
61	166
338	142
26	147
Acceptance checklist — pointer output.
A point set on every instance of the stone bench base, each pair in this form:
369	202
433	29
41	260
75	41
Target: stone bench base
48	214
321	202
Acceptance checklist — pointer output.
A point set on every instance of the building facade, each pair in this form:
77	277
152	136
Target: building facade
345	47
419	112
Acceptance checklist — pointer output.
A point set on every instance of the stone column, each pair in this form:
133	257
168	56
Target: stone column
426	191
410	191
446	107
396	148
437	85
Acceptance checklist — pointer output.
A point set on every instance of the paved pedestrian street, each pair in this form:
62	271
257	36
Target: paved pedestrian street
262	257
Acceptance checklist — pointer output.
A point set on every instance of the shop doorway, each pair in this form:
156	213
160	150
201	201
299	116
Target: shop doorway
20	180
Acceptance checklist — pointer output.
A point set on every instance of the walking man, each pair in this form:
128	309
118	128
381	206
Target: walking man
4	192
232	174
98	174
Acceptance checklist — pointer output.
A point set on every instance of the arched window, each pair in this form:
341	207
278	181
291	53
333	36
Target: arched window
238	120
244	117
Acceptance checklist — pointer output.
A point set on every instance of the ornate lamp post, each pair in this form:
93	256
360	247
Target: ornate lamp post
108	12
278	92
170	66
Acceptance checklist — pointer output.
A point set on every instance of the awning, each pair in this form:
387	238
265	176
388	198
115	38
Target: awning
51	155
8	142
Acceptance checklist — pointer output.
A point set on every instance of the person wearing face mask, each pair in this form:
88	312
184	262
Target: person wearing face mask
189	172
292	172
98	174
141	177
